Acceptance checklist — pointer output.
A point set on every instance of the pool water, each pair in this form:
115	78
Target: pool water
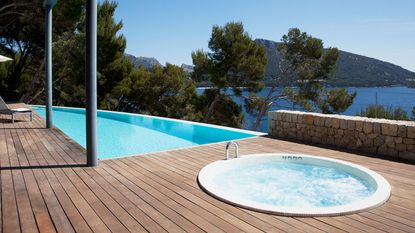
121	134
293	185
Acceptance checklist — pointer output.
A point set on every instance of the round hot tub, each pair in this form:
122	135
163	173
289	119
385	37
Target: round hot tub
295	184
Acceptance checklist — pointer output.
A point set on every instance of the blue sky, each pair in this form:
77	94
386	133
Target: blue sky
170	30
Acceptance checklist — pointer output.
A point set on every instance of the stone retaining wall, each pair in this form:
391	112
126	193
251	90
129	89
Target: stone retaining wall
378	136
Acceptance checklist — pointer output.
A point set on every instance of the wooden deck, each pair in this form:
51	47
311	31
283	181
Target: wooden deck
46	188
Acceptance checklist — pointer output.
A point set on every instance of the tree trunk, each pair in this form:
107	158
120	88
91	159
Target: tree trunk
211	108
261	114
31	89
264	108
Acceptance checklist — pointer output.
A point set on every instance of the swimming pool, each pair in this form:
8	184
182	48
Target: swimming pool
123	134
295	185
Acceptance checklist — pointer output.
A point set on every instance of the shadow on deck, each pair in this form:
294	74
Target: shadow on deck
45	187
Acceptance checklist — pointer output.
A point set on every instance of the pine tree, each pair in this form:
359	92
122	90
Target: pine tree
234	62
160	91
307	65
69	62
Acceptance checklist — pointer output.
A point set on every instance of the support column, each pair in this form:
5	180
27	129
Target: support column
91	83
48	64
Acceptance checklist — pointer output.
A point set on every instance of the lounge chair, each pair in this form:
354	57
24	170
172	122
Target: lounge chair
4	109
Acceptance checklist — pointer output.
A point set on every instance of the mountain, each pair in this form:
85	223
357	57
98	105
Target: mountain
146	62
188	69
351	70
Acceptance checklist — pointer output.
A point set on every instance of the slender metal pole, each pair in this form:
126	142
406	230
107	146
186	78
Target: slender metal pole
48	67
91	83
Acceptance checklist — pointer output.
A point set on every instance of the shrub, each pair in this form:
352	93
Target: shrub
378	111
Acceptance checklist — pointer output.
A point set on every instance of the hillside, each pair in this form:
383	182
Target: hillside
187	68
146	62
352	69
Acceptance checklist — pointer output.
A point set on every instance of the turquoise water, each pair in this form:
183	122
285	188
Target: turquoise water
292	185
128	134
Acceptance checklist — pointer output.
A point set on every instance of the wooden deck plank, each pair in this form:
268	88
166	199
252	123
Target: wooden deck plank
354	223
154	202
187	213
69	150
389	222
78	223
320	225
45	188
156	184
95	203
133	203
111	203
288	224
340	224
39	206
56	211
285	224
74	203
10	217
26	216
374	223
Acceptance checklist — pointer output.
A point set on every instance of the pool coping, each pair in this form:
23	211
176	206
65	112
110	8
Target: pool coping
182	148
378	198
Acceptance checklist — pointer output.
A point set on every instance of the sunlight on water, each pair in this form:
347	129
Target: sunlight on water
293	185
121	135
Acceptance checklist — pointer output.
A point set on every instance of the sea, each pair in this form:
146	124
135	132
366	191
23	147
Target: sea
390	97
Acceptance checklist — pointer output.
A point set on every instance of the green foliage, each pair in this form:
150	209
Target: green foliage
378	111
312	65
305	65
235	61
21	38
67	16
69	62
227	112
113	66
336	101
3	73
69	70
161	91
254	103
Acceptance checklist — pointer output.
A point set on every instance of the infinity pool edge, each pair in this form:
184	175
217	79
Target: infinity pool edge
240	133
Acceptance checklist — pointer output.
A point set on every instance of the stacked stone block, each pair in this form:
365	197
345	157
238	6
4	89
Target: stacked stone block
378	136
